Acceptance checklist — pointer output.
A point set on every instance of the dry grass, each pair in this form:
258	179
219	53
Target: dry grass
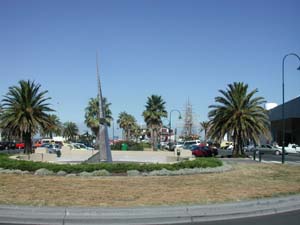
246	181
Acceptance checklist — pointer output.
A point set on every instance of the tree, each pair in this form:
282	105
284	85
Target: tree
127	122
55	127
239	114
92	115
205	127
155	110
136	131
0	123
25	110
70	131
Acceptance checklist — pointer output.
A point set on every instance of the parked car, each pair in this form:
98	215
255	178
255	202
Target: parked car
164	145
168	146
225	144
80	146
268	149
249	148
179	144
203	151
45	145
20	145
37	144
5	145
53	148
291	148
188	144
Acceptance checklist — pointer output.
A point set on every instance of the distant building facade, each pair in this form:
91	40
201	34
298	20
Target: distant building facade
292	122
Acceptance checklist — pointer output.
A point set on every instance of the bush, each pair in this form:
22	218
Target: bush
61	173
7	163
133	173
43	172
132	146
146	145
100	173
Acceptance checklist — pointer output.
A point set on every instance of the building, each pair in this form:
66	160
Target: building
292	122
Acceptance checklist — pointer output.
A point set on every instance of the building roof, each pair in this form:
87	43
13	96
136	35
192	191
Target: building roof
292	110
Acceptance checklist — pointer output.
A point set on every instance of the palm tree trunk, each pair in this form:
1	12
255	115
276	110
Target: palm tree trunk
241	150
27	143
126	134
97	142
152	135
154	139
129	135
235	144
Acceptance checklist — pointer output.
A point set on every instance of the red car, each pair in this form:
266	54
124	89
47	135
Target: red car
203	151
20	145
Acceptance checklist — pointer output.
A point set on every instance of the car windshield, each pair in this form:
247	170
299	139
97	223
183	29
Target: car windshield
190	143
194	147
76	146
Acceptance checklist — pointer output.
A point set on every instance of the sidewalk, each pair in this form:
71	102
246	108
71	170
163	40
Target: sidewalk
147	215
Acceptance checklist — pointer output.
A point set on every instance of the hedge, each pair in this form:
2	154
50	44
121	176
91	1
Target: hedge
132	146
7	163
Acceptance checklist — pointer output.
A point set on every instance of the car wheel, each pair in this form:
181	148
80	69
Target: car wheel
277	152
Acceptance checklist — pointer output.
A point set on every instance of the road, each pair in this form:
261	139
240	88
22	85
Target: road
289	218
12	151
290	158
280	210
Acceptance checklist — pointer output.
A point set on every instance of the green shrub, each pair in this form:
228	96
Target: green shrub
132	146
146	145
7	163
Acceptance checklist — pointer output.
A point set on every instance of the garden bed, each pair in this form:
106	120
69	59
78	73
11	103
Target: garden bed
113	168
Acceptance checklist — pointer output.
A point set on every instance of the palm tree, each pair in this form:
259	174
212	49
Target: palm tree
239	114
136	131
70	131
205	127
92	115
155	110
127	122
55	127
0	123
25	110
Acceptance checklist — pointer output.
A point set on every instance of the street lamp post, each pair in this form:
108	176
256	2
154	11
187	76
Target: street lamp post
170	126
283	116
113	131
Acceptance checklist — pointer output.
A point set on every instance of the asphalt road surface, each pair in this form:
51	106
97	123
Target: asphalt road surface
289	218
290	158
12	151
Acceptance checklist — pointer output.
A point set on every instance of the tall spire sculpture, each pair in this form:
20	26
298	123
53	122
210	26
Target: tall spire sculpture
102	139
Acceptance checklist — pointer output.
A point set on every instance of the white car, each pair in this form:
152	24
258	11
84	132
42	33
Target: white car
79	146
291	148
179	144
187	144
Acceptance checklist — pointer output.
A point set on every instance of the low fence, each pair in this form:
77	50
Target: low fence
39	157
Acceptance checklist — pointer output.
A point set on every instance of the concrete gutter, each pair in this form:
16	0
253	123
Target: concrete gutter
146	215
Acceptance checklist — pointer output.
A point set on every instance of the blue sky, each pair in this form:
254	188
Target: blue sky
177	49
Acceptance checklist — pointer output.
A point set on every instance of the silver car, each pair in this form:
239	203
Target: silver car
268	149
